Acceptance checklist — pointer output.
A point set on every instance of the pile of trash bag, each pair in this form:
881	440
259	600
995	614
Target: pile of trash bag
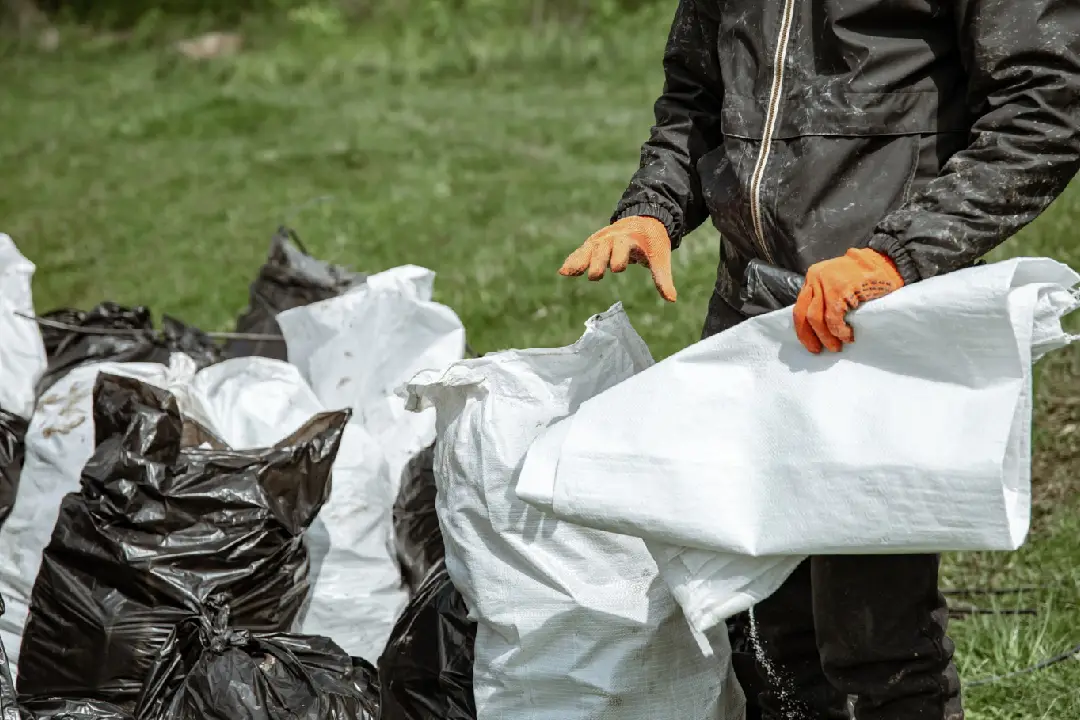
337	516
158	474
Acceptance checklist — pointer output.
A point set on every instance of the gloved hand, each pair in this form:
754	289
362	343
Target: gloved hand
639	240
833	287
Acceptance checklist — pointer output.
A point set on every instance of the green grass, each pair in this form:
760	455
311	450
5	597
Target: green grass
131	175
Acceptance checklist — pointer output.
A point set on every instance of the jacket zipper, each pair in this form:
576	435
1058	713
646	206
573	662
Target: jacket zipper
771	118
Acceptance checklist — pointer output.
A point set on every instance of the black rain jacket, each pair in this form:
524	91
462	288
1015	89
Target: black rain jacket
930	130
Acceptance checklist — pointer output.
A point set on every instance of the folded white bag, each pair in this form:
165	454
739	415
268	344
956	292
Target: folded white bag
59	441
357	349
572	623
916	438
356	588
22	353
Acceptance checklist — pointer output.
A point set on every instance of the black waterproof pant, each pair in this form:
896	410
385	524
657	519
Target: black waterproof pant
872	627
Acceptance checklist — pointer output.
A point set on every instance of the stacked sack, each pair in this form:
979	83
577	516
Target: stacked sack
151	488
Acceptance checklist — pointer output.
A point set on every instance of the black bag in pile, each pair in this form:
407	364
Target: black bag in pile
425	672
207	670
160	525
66	709
48	708
140	341
417	535
12	453
290	278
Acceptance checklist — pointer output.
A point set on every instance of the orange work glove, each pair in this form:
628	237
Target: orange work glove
639	240
834	287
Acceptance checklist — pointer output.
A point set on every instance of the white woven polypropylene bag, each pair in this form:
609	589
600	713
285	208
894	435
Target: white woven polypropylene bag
22	353
573	623
915	439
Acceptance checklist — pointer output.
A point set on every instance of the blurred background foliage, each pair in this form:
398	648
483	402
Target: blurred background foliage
431	16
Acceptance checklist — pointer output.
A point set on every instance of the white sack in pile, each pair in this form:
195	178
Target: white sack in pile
357	349
59	441
916	438
356	589
22	353
574	623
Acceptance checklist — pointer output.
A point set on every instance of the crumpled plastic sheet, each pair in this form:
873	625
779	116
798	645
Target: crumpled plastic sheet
12	453
68	349
165	519
209	670
290	278
426	671
417	535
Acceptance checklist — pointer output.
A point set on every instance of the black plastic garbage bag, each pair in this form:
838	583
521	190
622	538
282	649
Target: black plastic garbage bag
12	452
425	672
366	679
767	288
290	278
48	708
139	341
208	670
417	534
67	709
160	525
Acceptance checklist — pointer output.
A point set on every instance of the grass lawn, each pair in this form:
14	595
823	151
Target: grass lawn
132	175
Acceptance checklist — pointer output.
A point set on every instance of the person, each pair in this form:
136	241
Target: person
867	145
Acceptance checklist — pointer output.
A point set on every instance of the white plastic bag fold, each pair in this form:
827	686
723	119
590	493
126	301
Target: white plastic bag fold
22	353
357	349
916	438
572	623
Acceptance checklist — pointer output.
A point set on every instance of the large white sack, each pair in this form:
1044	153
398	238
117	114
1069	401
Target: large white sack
572	623
710	586
22	353
916	438
59	441
357	349
356	587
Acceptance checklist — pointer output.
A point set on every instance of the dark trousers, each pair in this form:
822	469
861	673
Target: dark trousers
872	627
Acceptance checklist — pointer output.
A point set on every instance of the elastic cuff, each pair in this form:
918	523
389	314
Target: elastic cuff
673	227
898	252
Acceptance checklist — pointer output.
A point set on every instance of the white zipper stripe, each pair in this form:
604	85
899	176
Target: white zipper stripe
771	118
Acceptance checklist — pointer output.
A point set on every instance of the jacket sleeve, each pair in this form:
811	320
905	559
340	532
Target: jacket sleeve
666	185
1023	65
